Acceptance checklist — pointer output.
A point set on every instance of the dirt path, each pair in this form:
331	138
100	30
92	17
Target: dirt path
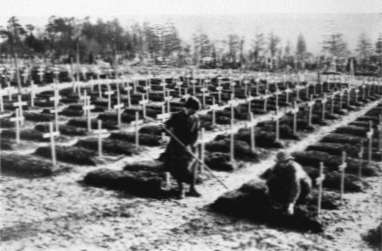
59	214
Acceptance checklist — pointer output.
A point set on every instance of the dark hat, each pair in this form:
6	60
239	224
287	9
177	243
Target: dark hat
283	156
193	103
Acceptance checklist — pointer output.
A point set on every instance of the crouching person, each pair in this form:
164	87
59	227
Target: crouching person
287	181
177	159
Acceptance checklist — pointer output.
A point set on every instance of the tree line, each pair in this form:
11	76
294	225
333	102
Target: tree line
74	40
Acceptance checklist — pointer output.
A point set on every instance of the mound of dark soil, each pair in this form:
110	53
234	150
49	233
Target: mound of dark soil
69	154
221	162
242	151
112	147
355	131
30	135
141	178
71	112
337	149
94	124
333	180
38	117
348	139
151	129
28	166
252	201
332	162
6	123
374	237
144	139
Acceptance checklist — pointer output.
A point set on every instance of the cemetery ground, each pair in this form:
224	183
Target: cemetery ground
61	212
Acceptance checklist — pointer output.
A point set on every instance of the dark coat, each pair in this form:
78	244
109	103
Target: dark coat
287	182
177	160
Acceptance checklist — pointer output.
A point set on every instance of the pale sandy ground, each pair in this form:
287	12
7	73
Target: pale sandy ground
59	213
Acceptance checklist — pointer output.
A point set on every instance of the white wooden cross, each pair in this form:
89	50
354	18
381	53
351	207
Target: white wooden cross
99	88
205	94
265	97
18	122
332	99
10	89
101	134
219	89
12	72
314	87
233	103
186	95
56	72
252	123
193	82
348	90
41	73
368	88
143	103
360	155
87	107
319	180
25	75
213	108
356	94
56	98
32	92
284	79
310	104
164	116
163	84
379	127
109	93
287	91
232	84
84	72
342	169
128	88
324	100
110	71
119	107
179	86
202	148
20	104
167	99
136	123
277	93
246	83
2	92
363	86
294	111
278	115
51	134
341	94
369	136
307	89
257	82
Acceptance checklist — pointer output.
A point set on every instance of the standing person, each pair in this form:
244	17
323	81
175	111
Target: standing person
287	181
180	163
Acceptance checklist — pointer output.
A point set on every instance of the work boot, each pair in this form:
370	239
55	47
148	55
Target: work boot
181	194
193	193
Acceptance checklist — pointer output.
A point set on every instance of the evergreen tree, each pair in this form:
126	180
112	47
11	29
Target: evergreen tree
301	46
364	47
334	45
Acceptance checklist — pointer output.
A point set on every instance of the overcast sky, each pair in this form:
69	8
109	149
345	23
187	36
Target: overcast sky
218	18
